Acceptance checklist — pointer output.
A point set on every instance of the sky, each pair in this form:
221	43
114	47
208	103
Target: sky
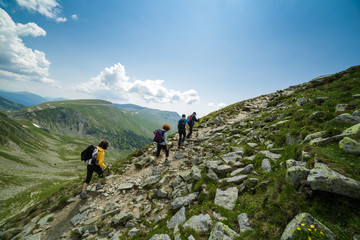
175	55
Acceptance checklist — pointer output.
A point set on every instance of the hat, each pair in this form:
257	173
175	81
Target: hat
183	115
194	113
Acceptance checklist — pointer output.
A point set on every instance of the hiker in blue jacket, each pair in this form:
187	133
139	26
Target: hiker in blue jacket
182	124
191	121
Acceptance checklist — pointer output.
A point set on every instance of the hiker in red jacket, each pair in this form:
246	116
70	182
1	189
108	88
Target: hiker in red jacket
191	121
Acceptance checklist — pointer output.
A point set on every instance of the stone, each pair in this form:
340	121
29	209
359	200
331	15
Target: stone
308	220
75	220
352	131
292	139
252	145
223	169
177	234
356	96
227	198
346	118
302	101
212	175
191	237
312	136
296	175
185	175
184	201
356	237
150	181
265	165
356	113
45	220
196	173
200	223
232	157
89	228
160	237
268	154
122	218
125	186
245	170
177	219
133	232
292	163
340	107
222	232
349	145
161	193
321	141
111	206
36	236
320	100
323	178
244	222
141	162
236	179
178	155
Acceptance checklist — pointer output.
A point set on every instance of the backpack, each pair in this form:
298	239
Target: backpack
190	118
159	136
181	124
89	155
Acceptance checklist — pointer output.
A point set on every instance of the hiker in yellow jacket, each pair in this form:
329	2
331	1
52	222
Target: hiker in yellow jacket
98	168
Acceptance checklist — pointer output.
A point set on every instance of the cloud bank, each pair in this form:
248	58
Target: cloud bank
113	82
217	106
48	8
18	62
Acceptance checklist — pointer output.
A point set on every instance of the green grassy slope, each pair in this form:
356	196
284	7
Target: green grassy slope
7	105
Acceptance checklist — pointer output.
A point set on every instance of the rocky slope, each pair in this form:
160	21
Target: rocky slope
280	166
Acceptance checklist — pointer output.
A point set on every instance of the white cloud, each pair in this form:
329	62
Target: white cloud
48	8
114	82
60	19
17	61
74	17
217	106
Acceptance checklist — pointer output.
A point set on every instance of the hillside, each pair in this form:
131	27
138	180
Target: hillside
23	98
7	105
280	166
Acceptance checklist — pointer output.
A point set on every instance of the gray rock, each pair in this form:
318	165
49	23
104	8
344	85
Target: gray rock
45	220
292	139
141	162
200	223
244	222
356	237
296	175
340	107
223	169
346	118
212	175
89	228
191	237
273	156
302	101
36	236
265	165
236	179
150	181
222	232
161	193
308	220
232	157
349	145
292	163
75	220
177	233
184	201
178	155
245	170
122	218
323	178
227	198
352	131
160	237
133	232
356	96
321	141
212	164
111	206
356	113
125	186
185	175
177	219
313	136
116	236
252	145
195	173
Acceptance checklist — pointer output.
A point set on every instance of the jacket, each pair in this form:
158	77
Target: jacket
100	157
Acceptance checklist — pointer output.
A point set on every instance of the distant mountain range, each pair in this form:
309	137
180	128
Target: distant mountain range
24	98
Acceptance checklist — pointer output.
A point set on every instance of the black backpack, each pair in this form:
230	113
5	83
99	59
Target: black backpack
159	135
181	124
89	155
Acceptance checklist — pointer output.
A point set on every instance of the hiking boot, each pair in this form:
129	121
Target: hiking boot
167	162
154	163
99	186
83	195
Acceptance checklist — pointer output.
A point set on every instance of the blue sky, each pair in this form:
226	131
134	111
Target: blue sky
177	55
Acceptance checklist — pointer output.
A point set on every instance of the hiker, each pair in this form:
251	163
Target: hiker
191	121
98	168
182	124
163	145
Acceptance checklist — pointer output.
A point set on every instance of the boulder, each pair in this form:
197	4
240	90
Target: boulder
352	131
323	178
178	155
265	165
125	186
133	232
356	113
307	220
227	198
296	175
313	136
245	170
150	181
122	218
75	220
236	179
177	219
195	173
184	201
268	154
141	162
340	107
212	175
200	223
36	236
232	157
160	237
161	193
244	222
292	163
45	220
302	101
222	232
292	139
346	118
349	145
223	169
